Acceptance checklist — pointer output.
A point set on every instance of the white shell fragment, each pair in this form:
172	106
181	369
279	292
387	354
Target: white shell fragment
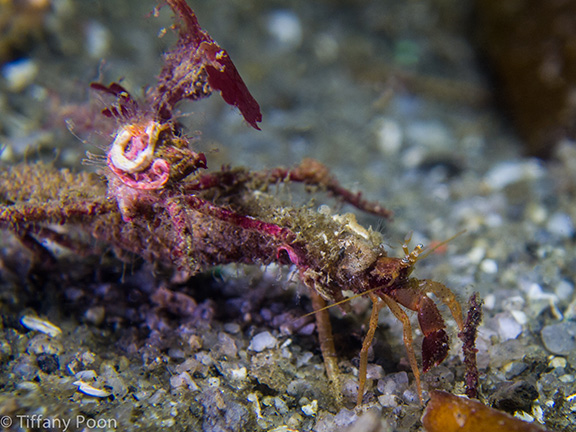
349	221
89	390
311	409
263	341
144	158
38	324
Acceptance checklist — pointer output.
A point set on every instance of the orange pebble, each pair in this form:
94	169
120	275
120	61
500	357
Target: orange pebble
448	413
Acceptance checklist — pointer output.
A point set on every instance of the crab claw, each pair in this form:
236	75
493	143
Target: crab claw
434	349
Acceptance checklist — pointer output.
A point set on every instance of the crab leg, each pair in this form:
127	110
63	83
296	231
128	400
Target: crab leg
408	342
315	173
376	306
55	212
325	337
447	297
246	222
310	172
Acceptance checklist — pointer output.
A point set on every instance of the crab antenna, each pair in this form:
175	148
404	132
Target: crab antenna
346	300
442	243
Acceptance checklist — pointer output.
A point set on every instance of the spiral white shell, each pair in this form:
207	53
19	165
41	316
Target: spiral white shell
143	159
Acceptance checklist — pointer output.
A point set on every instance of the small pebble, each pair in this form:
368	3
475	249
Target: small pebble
489	301
520	317
157	397
204	358
227	345
538	413
561	225
97	39
311	409
388	401
281	406
41	325
557	362
183	380
489	266
476	254
567	378
19	74
25	368
410	396
239	374
350	388
43	344
506	173
262	341
89	390
253	397
95	315
374	371
394	383
345	417
113	379
303	359
560	338
86	375
232	328
508	327
564	290
429	134
514	369
48	363
284	25
390	136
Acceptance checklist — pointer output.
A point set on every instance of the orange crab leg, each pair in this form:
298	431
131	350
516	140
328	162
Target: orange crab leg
325	337
376	306
408	342
447	297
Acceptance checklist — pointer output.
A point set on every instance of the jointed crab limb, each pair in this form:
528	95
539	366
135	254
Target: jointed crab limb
26	223
315	173
181	251
54	212
245	222
435	343
362	370
310	172
34	246
124	108
446	296
408	343
326	338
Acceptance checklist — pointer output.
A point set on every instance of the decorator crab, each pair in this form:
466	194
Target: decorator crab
157	202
